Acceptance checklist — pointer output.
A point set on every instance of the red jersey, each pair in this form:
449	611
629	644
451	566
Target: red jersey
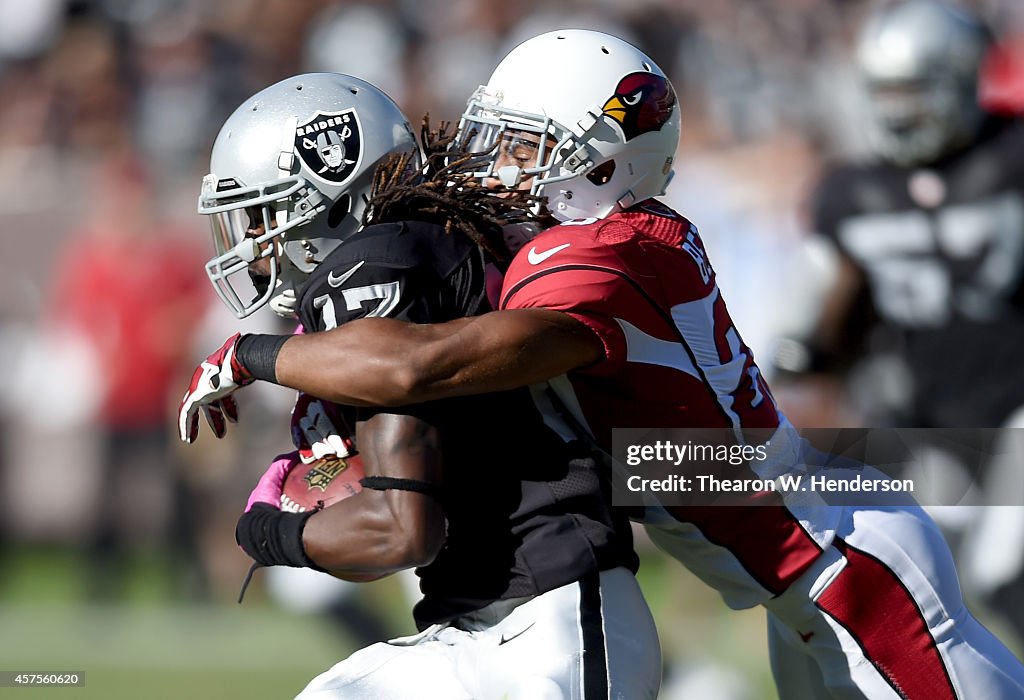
641	280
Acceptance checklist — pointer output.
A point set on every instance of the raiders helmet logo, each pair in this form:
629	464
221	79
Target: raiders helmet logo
329	144
323	472
642	102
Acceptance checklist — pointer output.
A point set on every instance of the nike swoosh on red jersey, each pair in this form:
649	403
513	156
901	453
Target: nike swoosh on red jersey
536	258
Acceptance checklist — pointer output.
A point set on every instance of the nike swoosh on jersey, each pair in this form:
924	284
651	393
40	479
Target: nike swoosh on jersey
506	640
536	258
338	280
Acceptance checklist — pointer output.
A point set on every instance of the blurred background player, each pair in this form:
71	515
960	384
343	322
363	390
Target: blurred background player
923	315
137	334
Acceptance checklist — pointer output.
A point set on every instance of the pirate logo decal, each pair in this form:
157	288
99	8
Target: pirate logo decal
329	144
642	102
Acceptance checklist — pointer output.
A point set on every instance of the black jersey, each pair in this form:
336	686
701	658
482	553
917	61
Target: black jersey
942	250
525	511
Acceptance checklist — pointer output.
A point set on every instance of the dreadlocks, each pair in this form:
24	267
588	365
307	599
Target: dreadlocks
443	192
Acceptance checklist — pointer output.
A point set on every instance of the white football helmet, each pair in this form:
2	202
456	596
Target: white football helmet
919	61
603	117
298	159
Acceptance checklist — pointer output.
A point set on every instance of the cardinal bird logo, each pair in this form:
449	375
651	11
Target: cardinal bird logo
642	102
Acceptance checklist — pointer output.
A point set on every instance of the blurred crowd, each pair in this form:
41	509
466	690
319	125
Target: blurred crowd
108	109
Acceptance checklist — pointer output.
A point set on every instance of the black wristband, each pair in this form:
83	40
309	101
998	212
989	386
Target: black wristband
272	537
386	483
258	354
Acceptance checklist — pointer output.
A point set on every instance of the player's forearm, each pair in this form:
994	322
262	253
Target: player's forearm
375	533
396	522
387	362
369	362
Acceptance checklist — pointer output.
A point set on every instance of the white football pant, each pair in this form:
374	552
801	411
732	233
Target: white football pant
881	615
594	638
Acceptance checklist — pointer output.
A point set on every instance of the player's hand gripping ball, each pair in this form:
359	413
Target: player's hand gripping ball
294	486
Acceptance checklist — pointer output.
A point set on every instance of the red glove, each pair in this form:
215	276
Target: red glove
211	387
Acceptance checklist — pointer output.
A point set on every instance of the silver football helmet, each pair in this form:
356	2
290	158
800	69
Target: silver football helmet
919	60
589	117
290	173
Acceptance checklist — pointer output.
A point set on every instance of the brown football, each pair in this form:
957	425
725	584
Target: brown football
325	481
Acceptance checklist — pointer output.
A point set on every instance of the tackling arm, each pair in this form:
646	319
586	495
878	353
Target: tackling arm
377	361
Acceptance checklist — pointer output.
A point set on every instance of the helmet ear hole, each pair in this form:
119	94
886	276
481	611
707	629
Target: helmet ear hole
339	210
602	173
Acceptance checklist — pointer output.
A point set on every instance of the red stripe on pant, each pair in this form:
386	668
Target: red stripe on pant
766	539
869	600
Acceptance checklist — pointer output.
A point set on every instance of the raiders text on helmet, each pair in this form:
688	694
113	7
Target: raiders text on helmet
329	144
298	159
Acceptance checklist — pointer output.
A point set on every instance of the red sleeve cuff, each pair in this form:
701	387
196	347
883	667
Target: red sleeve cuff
611	337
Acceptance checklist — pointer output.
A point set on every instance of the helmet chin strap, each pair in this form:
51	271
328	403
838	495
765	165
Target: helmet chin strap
284	301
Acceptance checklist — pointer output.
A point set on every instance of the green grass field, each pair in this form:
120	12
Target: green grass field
149	645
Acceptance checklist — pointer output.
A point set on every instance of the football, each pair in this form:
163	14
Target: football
323	482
